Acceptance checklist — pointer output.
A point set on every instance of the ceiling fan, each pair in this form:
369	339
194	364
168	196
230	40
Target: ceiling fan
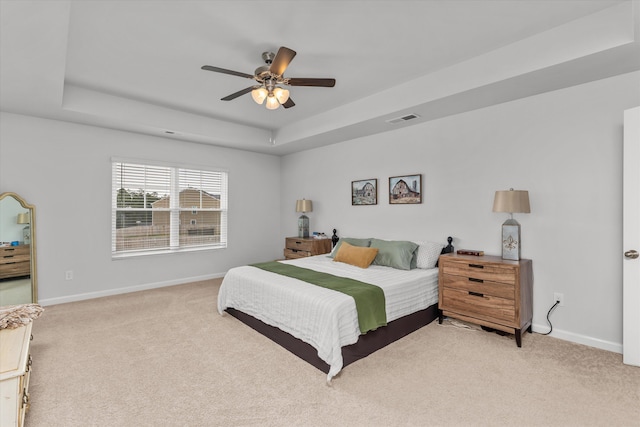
269	77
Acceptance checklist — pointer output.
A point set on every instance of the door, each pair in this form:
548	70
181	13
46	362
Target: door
631	239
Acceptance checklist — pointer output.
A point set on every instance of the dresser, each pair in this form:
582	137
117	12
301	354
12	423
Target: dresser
15	370
300	247
487	291
15	261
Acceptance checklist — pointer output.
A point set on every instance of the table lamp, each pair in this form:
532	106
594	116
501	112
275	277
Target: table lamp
511	201
303	206
23	218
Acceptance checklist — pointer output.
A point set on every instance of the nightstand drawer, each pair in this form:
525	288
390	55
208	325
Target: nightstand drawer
478	305
482	271
502	290
299	244
292	254
12	254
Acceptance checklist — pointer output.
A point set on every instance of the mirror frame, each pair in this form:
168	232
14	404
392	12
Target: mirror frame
32	211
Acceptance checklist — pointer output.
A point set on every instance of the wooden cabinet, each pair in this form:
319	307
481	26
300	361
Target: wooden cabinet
15	261
15	371
300	247
488	291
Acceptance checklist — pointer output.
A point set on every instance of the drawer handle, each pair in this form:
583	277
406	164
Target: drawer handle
473	279
476	294
8	256
476	265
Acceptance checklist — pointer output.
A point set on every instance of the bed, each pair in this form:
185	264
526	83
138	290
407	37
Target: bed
321	325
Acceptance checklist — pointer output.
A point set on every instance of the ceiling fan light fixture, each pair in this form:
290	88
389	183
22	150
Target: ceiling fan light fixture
272	102
282	95
259	95
268	77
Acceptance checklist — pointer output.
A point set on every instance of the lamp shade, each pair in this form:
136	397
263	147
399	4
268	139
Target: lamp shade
512	201
259	95
304	205
272	102
282	95
23	218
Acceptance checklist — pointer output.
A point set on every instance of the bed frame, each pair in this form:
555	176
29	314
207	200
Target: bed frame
367	344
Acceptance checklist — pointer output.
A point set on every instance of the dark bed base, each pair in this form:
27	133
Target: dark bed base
366	345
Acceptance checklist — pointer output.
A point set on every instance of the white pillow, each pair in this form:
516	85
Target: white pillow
428	254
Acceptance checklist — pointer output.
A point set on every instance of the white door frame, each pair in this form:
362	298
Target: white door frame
631	238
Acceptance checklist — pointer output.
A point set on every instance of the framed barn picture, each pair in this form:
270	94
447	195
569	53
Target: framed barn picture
364	192
405	189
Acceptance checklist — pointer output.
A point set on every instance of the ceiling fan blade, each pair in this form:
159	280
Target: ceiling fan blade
225	71
311	82
289	103
237	94
282	60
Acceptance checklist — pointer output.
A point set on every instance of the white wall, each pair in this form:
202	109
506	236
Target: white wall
65	171
564	147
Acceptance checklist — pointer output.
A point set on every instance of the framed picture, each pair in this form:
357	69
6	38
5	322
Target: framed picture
405	189
364	192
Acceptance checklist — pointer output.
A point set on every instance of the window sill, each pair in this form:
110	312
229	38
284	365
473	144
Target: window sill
142	253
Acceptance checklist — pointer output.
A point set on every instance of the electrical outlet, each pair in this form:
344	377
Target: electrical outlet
557	296
68	275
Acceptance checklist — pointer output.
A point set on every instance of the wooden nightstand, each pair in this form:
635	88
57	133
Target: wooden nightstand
15	261
300	247
488	291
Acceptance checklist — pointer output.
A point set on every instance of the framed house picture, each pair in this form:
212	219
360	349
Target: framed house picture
364	192
405	189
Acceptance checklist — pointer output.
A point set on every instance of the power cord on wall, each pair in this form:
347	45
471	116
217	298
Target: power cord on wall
548	314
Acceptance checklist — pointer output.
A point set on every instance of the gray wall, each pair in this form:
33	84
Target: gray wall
564	147
65	171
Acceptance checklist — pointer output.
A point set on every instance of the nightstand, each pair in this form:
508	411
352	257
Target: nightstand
15	261
487	291
300	247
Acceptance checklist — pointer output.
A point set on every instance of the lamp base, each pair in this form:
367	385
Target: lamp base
511	240
26	235
303	226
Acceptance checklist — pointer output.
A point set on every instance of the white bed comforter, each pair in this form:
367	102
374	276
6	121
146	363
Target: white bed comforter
321	317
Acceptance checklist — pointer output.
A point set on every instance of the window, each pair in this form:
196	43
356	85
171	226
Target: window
166	209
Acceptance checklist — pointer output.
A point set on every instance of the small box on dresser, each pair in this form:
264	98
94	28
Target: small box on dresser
15	371
300	247
488	291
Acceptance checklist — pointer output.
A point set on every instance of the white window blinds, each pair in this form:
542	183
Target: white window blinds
164	208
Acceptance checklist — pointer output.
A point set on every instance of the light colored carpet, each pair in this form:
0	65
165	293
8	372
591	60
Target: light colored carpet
165	357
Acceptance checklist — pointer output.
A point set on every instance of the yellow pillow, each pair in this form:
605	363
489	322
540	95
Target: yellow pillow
355	255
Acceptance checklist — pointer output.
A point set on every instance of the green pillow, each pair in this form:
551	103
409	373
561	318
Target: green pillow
395	253
364	243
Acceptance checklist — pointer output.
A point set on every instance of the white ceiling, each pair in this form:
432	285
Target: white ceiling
135	65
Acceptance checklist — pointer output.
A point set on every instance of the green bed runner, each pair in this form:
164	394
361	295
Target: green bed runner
370	302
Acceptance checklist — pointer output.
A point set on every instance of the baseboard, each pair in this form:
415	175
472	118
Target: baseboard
579	339
128	289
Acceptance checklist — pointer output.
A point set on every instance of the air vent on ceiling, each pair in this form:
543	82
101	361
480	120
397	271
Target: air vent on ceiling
403	118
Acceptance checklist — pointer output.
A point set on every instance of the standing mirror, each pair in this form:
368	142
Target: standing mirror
18	283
